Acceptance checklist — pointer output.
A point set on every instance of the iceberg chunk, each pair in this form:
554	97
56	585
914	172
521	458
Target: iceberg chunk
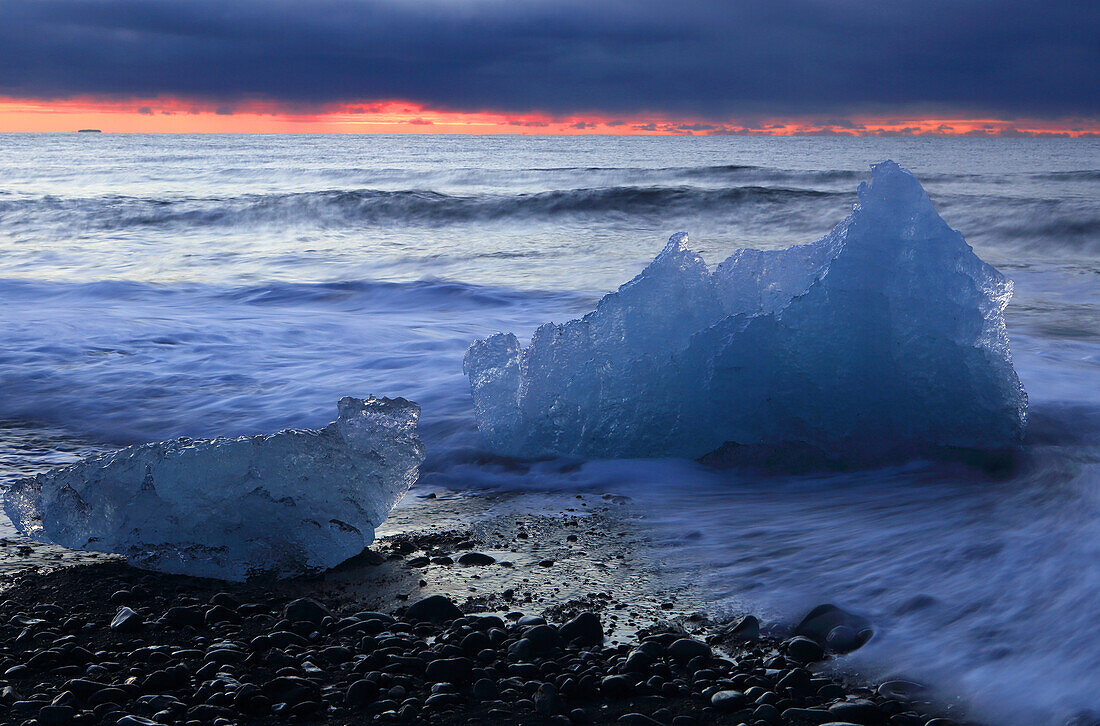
282	504
884	338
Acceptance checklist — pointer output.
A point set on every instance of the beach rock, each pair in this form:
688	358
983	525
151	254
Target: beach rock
306	610
685	649
361	692
475	559
521	649
796	680
860	711
767	713
729	700
108	694
224	656
820	622
180	616
804	650
219	614
225	600
546	699
615	686
437	608
585	629
843	639
449	670
638	662
901	690
542	638
56	715
290	689
745	629
638	719
485	689
136	721
809	715
82	687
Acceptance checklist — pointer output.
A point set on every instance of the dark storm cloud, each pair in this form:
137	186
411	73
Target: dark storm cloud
708	59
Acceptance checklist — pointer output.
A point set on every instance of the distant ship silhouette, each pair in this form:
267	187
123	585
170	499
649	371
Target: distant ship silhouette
89	131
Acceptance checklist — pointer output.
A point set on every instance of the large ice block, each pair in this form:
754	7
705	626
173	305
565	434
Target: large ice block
886	337
282	504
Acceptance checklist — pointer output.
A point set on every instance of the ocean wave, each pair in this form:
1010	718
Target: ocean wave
550	176
344	296
706	170
374	206
1077	175
1068	224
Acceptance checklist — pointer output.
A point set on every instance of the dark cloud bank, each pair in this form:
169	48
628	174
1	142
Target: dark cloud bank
1012	58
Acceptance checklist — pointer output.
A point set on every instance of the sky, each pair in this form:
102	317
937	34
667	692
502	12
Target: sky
862	67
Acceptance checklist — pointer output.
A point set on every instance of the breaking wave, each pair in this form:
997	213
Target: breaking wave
376	206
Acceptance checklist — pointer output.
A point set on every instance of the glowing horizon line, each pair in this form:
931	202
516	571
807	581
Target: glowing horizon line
175	115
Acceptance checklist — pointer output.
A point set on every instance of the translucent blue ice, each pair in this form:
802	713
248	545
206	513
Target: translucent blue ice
885	337
282	504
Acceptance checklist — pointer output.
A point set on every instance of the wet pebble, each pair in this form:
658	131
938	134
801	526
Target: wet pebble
476	559
803	650
436	608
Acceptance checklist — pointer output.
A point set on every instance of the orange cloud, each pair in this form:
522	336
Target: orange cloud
171	115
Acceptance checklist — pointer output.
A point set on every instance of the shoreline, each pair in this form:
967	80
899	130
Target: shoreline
194	646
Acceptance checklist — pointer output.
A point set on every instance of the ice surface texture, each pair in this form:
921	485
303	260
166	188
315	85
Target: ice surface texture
885	337
286	503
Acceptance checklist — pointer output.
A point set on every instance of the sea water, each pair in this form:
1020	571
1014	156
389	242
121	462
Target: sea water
158	286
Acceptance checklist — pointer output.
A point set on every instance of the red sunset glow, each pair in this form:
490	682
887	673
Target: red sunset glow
162	115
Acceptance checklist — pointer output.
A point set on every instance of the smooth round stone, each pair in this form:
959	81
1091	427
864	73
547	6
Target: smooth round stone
685	649
843	639
542	637
729	700
361	692
638	719
585	629
485	690
136	721
476	559
305	610
56	715
903	690
804	650
449	670
861	711
436	609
